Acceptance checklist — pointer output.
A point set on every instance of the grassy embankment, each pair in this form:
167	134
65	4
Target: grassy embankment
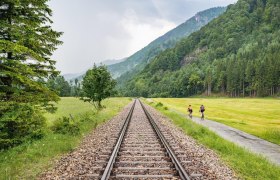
246	164
29	159
258	116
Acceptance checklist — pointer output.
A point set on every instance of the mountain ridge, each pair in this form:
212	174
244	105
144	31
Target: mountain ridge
235	54
168	40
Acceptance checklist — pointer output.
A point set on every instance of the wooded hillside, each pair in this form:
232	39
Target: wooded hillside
236	54
138	60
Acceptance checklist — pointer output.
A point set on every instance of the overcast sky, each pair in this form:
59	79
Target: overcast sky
97	30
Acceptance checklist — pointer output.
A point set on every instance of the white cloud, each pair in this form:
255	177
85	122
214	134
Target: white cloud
96	30
143	33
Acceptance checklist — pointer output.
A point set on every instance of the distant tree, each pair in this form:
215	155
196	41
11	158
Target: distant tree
60	86
77	88
97	85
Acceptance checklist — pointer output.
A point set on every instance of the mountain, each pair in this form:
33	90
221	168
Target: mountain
79	76
236	54
137	61
112	61
72	76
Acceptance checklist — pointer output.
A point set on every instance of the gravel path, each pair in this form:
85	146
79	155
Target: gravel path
254	144
90	158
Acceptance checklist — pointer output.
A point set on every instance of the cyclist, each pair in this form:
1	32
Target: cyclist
201	110
190	110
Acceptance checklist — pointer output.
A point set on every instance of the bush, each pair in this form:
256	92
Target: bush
159	104
18	123
65	126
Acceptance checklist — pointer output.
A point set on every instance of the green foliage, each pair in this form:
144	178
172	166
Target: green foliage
75	88
60	86
25	36
97	85
159	104
26	44
66	125
18	123
236	54
29	159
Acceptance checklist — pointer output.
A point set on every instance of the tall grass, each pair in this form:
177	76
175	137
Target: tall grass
28	160
256	116
246	164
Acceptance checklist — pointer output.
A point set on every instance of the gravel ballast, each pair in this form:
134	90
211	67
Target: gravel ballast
89	159
83	160
205	163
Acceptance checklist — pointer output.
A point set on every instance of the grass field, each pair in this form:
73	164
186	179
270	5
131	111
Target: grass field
246	165
260	117
30	159
76	107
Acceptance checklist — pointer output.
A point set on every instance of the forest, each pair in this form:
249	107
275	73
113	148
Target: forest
236	54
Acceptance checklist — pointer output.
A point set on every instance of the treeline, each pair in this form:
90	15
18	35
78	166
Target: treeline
64	88
237	54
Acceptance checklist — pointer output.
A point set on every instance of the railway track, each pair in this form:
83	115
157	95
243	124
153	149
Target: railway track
134	146
142	151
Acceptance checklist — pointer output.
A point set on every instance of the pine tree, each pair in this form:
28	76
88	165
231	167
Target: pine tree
26	44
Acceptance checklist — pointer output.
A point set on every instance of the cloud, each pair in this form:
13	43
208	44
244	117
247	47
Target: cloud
142	32
97	30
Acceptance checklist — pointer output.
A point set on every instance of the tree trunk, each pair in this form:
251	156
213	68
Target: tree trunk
99	105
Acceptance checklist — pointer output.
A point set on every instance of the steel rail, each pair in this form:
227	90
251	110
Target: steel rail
178	166
109	166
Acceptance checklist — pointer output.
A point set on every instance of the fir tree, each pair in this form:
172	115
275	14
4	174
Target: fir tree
26	44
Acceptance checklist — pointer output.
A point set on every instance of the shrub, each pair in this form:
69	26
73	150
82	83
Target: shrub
18	123
159	104
65	125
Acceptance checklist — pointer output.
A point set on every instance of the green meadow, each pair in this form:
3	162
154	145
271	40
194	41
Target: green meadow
244	163
31	158
256	116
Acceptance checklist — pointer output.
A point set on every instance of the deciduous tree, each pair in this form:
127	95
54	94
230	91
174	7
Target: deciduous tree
97	85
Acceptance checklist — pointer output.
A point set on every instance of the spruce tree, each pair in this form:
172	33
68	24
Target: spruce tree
26	44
